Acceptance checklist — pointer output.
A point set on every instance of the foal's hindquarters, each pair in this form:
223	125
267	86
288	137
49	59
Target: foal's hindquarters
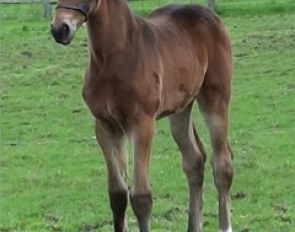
209	50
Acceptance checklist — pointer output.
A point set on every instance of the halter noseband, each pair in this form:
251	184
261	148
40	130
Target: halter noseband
83	7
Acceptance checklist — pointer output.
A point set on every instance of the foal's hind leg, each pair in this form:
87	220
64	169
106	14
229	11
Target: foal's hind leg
193	159
214	104
112	144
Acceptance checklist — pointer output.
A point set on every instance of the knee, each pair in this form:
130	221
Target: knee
141	204
194	169
223	172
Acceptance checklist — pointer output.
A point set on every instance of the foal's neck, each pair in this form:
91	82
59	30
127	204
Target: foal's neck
109	29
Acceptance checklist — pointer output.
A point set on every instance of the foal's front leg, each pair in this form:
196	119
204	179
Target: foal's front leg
140	193
112	144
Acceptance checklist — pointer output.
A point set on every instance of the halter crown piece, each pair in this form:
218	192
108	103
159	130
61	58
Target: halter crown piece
83	7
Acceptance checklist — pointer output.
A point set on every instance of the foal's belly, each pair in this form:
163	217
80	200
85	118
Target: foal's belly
183	71
178	91
182	79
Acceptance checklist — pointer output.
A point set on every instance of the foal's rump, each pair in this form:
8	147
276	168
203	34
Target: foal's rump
201	24
191	13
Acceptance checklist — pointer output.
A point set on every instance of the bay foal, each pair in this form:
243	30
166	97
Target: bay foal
141	70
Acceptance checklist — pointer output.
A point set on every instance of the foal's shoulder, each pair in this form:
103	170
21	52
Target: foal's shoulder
147	30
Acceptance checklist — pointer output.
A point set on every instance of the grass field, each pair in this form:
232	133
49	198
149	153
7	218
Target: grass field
52	172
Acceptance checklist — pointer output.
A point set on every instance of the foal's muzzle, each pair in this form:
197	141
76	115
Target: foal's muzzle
62	33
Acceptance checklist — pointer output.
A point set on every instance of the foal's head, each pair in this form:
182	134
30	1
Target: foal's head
69	16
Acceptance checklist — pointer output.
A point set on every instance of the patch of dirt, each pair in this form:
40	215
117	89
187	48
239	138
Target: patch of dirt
95	227
76	110
6	229
281	208
53	220
241	54
212	215
170	214
285	219
89	228
238	196
244	230
27	54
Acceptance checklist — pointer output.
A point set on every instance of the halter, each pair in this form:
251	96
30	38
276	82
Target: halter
82	7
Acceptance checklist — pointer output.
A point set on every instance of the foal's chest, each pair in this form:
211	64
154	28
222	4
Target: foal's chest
105	97
120	99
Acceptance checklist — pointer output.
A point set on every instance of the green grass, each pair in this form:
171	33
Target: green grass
52	172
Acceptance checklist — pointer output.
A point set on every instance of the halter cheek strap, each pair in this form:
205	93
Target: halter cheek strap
83	7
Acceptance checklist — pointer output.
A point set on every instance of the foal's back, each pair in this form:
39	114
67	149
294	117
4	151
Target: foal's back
199	23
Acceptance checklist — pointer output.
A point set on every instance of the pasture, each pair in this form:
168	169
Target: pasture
53	176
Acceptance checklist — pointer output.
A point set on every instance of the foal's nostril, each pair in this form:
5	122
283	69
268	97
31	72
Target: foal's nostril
65	29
